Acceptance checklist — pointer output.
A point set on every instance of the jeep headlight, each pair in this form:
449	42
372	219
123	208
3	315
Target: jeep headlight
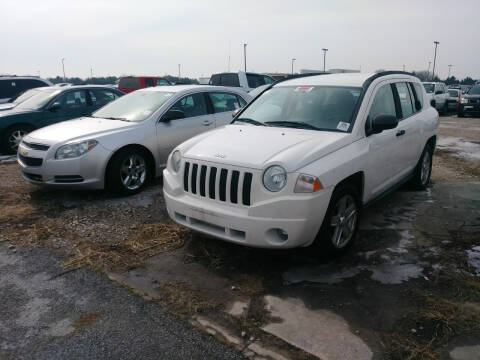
70	151
275	178
175	161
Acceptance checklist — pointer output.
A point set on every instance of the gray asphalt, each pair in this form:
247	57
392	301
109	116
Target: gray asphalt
83	315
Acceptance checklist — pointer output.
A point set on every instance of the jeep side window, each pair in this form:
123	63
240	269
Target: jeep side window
418	93
405	100
383	103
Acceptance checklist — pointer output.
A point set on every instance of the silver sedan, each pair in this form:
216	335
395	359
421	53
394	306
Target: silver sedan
127	142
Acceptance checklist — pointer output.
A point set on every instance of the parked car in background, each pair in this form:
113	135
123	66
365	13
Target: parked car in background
301	160
20	98
127	142
128	84
470	102
454	97
437	91
247	81
12	86
51	105
465	88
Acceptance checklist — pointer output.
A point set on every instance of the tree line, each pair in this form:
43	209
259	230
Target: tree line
425	75
111	80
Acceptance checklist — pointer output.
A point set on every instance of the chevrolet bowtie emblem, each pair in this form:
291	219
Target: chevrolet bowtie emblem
24	153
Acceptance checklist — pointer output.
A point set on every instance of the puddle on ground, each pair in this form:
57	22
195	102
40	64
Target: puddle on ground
326	274
474	259
394	274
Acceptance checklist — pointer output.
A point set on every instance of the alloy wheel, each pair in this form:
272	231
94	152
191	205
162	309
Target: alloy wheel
425	168
133	172
343	221
15	139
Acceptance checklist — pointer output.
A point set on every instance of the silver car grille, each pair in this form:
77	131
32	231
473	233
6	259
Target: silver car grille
218	183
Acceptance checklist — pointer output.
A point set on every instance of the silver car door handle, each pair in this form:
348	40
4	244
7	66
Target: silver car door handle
400	132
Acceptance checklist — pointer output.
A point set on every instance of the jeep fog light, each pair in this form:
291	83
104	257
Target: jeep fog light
307	184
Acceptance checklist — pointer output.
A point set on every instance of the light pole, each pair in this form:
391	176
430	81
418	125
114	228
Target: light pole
63	66
434	59
91	73
293	59
179	66
403	67
324	56
245	56
428	71
449	67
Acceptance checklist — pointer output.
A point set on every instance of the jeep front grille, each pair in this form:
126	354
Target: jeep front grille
218	183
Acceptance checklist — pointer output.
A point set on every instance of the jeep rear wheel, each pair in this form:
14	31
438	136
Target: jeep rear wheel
423	171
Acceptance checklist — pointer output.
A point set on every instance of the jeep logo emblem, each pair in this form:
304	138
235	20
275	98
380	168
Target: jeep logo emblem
221	156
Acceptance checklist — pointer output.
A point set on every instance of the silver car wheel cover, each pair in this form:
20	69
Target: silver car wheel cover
133	172
343	220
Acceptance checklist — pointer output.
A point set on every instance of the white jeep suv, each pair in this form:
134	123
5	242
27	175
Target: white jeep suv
300	161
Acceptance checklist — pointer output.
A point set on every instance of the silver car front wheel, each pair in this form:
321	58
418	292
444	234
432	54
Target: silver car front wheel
133	172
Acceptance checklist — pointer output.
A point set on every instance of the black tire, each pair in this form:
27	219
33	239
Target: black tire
11	138
420	180
129	163
326	238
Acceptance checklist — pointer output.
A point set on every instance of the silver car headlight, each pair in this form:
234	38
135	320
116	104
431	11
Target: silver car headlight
275	178
70	151
175	161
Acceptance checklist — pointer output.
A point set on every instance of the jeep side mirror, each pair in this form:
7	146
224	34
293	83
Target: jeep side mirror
55	106
383	122
235	112
433	102
173	114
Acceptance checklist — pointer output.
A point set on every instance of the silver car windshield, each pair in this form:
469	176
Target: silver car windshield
136	106
325	108
39	100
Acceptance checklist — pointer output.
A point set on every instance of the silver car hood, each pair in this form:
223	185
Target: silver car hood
78	128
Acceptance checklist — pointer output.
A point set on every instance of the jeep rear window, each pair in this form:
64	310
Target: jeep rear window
327	108
429	87
129	83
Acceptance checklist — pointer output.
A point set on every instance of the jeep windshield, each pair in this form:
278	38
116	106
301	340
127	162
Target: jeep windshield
324	108
136	106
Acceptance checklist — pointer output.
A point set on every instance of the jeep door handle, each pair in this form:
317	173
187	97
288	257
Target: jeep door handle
207	122
400	132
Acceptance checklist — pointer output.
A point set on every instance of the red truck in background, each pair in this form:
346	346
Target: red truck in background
128	84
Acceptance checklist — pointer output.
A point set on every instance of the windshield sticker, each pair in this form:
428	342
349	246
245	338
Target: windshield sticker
304	88
343	126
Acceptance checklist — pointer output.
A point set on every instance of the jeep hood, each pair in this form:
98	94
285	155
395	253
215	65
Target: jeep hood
81	128
257	146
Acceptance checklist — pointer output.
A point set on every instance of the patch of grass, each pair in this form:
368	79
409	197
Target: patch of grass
183	301
151	240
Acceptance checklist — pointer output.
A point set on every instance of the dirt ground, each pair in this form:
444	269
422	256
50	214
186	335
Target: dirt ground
408	289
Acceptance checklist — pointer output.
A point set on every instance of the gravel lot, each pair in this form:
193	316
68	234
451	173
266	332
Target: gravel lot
408	289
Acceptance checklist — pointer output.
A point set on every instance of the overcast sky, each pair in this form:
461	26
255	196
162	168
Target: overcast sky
144	37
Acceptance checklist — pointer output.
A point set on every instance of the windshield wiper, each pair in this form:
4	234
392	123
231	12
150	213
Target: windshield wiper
251	121
111	118
293	124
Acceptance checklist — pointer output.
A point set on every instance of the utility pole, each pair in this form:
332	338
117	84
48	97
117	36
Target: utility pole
449	67
179	66
245	56
292	64
434	60
403	67
91	73
324	56
63	66
428	71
